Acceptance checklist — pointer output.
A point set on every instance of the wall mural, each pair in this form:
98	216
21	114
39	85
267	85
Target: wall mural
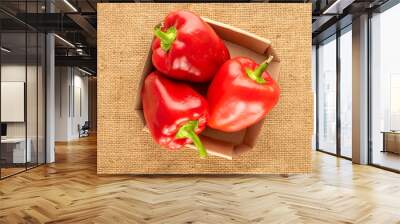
204	88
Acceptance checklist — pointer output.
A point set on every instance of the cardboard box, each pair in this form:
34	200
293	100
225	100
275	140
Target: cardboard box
239	43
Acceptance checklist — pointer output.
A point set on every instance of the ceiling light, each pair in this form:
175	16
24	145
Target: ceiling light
70	5
65	41
84	71
5	50
337	7
80	51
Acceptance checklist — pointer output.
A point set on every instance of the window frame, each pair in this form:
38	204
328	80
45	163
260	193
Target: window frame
334	37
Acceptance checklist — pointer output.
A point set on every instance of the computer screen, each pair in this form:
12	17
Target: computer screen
3	129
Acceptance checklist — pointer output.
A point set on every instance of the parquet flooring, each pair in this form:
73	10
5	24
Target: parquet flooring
10	171
69	191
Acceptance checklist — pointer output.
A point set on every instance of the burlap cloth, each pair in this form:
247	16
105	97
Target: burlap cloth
124	37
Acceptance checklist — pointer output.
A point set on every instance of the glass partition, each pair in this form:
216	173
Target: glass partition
31	99
13	94
23	91
41	97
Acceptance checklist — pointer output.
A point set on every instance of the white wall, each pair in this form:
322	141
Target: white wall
16	72
13	72
62	81
71	102
81	85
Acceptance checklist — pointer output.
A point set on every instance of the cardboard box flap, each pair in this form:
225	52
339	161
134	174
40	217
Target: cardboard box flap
219	148
234	138
236	35
239	50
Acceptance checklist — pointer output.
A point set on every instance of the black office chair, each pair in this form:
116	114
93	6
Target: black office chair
84	130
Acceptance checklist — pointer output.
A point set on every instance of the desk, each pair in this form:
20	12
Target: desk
391	141
16	147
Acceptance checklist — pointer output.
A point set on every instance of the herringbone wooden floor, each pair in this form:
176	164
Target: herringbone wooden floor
69	191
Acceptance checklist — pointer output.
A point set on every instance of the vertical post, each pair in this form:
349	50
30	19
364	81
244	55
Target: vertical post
338	76
317	97
37	89
0	97
50	92
369	78
360	90
26	87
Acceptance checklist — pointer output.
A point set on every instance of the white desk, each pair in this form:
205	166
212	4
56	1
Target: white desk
18	149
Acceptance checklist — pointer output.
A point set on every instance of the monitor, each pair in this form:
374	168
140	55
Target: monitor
3	129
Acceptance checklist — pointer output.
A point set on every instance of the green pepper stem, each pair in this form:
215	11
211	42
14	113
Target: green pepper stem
256	74
166	38
197	142
187	131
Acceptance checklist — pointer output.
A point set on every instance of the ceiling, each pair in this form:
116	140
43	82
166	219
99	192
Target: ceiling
75	21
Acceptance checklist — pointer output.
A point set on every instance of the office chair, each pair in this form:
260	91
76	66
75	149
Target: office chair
84	130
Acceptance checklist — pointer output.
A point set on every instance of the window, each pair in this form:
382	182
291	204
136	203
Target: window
327	96
346	75
333	137
385	89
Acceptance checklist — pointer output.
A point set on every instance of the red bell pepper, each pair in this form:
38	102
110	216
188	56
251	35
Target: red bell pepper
187	48
174	112
241	94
